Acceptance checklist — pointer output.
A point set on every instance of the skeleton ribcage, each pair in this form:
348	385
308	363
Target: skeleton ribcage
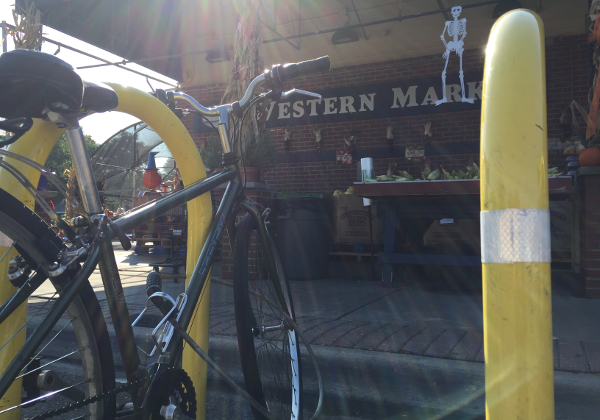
459	27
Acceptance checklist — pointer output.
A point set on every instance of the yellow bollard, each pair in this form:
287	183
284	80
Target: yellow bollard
515	223
178	140
36	144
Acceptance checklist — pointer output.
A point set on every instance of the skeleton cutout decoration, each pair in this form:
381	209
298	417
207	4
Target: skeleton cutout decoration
287	136
318	138
457	29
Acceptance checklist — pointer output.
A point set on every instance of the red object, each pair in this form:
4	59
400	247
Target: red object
589	156
152	178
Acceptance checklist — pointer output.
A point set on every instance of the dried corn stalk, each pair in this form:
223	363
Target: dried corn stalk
247	63
28	27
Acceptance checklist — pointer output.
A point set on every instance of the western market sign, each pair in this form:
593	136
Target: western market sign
381	100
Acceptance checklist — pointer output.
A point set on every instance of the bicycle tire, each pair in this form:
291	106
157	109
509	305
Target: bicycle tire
271	362
85	325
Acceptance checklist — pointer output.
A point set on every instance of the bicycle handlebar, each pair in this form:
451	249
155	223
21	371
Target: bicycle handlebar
304	68
276	76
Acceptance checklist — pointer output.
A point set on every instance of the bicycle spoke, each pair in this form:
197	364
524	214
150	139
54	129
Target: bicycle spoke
51	363
43	397
25	324
48	343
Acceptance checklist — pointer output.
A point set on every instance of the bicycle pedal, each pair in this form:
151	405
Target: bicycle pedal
153	282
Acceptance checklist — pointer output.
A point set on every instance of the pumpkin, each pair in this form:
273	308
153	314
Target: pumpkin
152	178
589	157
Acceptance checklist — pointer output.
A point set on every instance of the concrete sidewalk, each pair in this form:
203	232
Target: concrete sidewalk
362	315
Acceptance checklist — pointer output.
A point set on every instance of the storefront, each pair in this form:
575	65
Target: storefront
384	97
362	104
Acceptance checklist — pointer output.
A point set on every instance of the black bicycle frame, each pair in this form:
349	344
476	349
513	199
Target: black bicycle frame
103	255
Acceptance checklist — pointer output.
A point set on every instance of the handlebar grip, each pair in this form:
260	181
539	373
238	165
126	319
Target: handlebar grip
304	68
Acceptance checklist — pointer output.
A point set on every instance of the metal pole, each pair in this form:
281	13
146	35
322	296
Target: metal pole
515	223
177	138
371	239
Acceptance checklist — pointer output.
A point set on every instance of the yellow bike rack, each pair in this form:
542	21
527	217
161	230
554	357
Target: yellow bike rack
515	223
37	144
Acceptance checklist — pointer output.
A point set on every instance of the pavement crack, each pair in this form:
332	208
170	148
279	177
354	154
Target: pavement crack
366	304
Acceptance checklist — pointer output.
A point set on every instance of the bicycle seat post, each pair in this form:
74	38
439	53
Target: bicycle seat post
81	161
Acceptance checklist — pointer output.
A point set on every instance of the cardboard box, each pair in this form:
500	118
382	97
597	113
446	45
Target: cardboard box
351	220
561	217
454	234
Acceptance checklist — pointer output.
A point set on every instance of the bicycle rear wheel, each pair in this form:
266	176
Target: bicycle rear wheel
77	352
269	347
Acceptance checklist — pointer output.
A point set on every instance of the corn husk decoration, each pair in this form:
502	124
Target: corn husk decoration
427	170
427	128
287	136
27	34
392	168
318	138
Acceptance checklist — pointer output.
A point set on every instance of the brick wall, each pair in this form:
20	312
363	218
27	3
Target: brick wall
261	197
567	79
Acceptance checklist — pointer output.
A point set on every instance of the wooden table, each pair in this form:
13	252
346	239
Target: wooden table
415	204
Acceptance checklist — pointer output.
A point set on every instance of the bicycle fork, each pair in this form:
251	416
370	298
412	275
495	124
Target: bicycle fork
107	264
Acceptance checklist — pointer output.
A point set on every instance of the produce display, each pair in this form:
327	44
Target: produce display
472	172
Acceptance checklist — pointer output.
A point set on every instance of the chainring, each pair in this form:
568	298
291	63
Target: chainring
176	383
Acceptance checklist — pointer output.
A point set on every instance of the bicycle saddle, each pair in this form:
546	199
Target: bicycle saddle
31	81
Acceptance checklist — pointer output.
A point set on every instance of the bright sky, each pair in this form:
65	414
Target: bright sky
99	126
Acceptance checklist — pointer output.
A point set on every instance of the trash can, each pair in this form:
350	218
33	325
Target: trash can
303	236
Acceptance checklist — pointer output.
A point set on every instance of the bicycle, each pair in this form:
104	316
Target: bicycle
33	253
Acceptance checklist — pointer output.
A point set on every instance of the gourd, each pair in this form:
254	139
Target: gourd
589	157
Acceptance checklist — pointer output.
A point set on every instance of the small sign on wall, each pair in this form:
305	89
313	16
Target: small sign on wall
414	153
343	157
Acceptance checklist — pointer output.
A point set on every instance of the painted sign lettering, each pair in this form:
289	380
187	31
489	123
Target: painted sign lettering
383	100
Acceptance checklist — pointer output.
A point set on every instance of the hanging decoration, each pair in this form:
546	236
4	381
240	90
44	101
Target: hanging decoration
427	127
318	138
457	30
390	136
287	137
345	156
27	34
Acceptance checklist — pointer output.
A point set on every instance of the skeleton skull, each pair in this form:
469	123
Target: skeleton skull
456	11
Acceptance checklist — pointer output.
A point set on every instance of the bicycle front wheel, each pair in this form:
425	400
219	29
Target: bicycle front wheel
269	346
76	357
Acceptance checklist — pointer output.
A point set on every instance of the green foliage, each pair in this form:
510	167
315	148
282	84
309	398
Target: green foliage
59	159
211	153
260	151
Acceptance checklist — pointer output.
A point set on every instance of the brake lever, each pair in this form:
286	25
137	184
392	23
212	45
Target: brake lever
300	92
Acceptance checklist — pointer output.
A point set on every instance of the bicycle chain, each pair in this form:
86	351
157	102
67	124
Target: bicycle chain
87	401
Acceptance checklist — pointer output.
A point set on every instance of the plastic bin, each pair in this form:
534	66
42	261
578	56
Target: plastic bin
303	236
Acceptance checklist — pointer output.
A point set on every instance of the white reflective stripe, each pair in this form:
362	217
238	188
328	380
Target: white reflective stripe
515	235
